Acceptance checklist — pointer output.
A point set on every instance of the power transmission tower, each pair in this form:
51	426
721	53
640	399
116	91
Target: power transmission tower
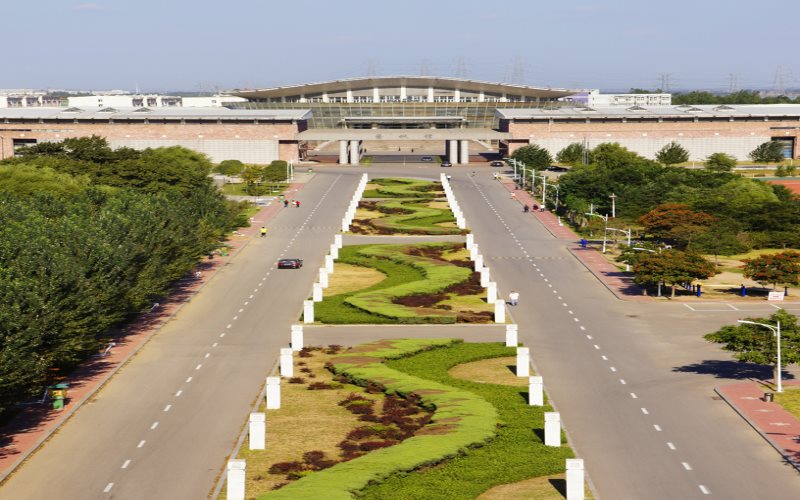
665	82
734	83
518	71
371	67
423	68
461	68
779	83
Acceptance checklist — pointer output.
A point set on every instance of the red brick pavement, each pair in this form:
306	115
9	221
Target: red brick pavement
621	285
780	428
35	423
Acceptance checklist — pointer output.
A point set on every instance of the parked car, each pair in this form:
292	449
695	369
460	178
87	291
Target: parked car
446	164
497	163
427	158
556	168
290	263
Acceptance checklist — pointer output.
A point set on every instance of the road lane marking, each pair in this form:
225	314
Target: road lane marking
622	381
605	358
229	326
178	394
251	296
168	408
199	365
644	410
690	307
221	334
686	466
576	320
704	490
671	446
596	346
153	427
255	291
126	464
108	487
588	336
551	286
613	369
583	327
634	396
657	428
570	312
188	380
241	310
559	297
235	318
207	355
246	302
141	443
215	344
732	307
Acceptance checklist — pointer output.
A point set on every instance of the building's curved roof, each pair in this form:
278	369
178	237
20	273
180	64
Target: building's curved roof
408	81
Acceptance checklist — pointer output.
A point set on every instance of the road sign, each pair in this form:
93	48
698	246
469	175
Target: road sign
775	296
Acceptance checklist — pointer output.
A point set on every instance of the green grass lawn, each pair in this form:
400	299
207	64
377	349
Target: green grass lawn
789	399
239	189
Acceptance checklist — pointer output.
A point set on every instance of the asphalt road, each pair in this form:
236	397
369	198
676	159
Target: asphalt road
164	425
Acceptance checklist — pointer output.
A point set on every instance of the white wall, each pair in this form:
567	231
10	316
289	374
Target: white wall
248	151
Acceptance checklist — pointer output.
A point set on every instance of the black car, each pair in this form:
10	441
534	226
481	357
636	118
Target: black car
290	263
555	168
497	163
427	158
446	164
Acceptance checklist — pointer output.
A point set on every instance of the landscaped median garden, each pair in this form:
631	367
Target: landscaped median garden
407	284
433	418
404	207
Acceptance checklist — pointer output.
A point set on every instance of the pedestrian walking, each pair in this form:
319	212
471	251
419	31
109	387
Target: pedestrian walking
513	297
297	203
285	203
263	231
513	195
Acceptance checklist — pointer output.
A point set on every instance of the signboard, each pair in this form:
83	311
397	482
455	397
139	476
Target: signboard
775	296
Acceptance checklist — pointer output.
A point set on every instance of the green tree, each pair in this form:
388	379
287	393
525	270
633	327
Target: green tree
770	151
720	239
573	153
672	153
756	344
672	266
720	162
780	268
229	167
533	156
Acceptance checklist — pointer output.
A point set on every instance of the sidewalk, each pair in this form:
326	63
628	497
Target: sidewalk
36	423
617	282
779	427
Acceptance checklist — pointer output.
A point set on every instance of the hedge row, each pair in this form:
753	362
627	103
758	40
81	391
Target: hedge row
462	420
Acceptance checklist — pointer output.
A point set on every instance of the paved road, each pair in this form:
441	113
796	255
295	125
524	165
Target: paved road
634	382
162	428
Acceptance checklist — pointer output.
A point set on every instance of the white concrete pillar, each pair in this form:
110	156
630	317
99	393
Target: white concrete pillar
430	94
258	431
575	488
473	252
478	262
334	251
443	179
323	277
273	393
337	240
453	151
464	153
349	95
552	429
376	94
523	362
355	152
461	222
535	391
316	294
343	153
345	225
512	335
484	276
297	337
287	362
329	264
491	292
403	93
308	311
236	471
470	241
499	311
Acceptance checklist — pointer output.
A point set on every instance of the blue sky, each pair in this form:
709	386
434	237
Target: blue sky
202	45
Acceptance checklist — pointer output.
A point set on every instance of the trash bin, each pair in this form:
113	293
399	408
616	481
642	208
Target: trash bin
58	393
584	242
769	397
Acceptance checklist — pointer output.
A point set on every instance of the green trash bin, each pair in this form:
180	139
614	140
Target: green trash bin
58	393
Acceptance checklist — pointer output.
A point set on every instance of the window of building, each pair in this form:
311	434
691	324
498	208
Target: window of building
21	143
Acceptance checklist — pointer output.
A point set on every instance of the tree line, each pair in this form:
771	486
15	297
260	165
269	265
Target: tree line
89	237
705	97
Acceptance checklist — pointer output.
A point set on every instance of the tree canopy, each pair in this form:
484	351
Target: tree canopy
672	153
533	156
720	162
671	266
767	152
780	268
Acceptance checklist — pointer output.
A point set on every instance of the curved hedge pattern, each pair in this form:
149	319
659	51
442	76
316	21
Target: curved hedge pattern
403	188
416	217
464	420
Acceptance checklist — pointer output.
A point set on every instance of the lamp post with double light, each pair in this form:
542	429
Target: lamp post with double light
605	227
777	331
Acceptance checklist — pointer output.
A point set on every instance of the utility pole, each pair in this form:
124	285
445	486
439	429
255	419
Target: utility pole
733	86
613	205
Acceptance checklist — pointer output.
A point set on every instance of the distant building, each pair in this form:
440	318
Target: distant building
594	99
150	101
27	99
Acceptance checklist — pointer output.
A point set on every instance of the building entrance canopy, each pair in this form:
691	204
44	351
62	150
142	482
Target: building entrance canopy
463	134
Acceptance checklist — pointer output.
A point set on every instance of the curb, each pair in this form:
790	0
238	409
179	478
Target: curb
752	424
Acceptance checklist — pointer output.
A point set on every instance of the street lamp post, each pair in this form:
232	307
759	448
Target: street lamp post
605	228
613	206
289	171
544	193
556	186
777	331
